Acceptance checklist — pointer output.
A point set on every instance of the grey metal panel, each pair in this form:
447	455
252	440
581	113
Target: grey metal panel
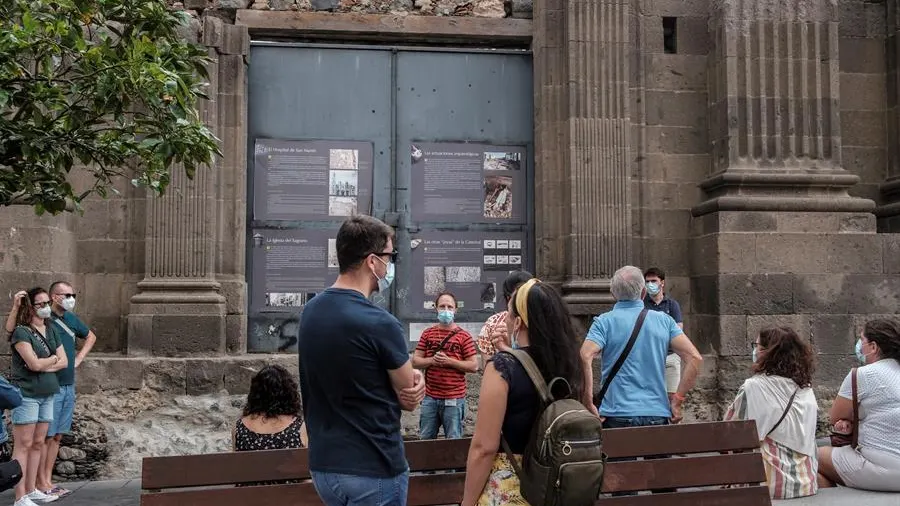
317	93
470	97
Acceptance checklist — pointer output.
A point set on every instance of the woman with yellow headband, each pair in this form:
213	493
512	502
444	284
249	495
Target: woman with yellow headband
538	322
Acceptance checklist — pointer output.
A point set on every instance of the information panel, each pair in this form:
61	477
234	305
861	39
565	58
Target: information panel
312	180
468	183
290	267
471	265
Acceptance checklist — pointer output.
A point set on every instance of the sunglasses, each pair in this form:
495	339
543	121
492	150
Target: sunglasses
67	295
42	304
392	254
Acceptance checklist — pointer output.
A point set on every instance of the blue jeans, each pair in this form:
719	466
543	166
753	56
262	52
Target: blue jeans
348	490
449	413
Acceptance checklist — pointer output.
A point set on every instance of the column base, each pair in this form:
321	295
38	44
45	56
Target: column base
176	318
588	296
795	191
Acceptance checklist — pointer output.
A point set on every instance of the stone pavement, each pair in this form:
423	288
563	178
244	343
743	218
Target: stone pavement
94	493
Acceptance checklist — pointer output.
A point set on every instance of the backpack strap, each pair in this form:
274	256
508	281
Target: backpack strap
534	373
598	399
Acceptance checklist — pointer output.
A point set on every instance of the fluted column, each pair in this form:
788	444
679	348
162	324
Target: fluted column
582	141
889	212
774	90
178	309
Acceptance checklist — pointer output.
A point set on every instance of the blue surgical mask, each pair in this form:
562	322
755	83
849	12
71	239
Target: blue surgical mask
445	316
754	354
653	288
385	282
514	341
859	353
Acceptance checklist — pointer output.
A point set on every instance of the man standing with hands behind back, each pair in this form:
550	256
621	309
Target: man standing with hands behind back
657	300
356	376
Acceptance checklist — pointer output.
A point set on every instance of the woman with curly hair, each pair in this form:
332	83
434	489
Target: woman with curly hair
780	398
875	462
272	419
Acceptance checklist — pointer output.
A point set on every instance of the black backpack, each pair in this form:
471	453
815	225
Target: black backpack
563	462
10	474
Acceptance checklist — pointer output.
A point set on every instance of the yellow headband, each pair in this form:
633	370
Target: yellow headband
522	299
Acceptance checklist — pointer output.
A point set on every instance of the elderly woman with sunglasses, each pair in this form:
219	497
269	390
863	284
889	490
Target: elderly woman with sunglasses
37	353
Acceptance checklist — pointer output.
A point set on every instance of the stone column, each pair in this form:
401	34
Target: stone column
779	240
179	309
583	138
889	212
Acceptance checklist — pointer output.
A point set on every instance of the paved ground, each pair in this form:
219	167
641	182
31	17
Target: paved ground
127	493
94	493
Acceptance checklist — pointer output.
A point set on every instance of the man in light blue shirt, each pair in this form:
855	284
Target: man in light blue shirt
637	395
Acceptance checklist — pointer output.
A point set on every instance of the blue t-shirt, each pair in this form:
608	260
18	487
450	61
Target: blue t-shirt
639	388
67	376
347	345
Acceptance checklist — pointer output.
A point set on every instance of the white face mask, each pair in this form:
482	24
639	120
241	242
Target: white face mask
68	303
44	312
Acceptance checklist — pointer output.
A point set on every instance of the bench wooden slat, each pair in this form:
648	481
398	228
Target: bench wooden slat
273	465
687	472
750	496
427	490
679	439
268	495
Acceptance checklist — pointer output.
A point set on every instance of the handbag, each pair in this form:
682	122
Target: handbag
852	439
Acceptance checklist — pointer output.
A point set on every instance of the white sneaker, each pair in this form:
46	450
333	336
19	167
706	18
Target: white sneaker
38	496
25	501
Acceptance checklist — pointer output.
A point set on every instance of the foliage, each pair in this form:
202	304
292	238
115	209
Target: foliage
108	85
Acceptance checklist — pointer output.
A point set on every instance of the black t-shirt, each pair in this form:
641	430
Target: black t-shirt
522	401
347	345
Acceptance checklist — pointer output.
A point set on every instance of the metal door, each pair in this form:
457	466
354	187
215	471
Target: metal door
393	98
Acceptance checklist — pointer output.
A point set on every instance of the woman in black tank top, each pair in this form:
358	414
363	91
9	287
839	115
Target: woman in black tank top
538	322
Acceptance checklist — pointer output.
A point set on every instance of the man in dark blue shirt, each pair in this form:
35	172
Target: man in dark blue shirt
656	300
356	376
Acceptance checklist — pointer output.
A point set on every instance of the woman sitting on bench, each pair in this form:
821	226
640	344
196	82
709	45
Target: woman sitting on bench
779	398
872	460
539	323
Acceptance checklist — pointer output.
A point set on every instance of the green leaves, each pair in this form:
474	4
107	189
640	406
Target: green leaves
105	86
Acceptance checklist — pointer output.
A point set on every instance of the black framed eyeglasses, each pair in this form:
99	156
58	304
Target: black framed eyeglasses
392	254
42	304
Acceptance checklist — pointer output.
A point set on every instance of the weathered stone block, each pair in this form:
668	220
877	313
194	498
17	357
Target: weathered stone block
675	8
235	333
677	140
140	335
679	109
832	334
166	376
754	221
794	253
737	253
832	369
238	376
676	72
868	56
824	294
523	9
757	323
867	162
869	294
733	371
863	92
756	294
704	294
863	128
204	377
177	335
854	253
106	256
857	223
693	35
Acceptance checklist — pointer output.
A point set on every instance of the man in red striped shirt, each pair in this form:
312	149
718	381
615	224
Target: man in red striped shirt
447	353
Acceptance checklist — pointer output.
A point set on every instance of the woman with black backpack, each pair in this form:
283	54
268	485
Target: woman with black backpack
509	403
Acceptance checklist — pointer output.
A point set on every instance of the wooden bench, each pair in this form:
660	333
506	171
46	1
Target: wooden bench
208	480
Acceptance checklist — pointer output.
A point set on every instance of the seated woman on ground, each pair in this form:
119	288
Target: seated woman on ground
875	463
538	322
272	419
779	397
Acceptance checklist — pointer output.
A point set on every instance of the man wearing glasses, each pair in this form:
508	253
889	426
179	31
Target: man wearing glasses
356	376
69	328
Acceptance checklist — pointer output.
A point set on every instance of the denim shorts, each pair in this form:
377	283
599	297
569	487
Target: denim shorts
337	489
63	409
33	410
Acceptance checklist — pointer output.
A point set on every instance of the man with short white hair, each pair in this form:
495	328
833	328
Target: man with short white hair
636	395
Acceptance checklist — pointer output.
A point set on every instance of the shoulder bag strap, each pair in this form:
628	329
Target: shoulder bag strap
446	339
786	411
50	350
598	399
855	437
65	327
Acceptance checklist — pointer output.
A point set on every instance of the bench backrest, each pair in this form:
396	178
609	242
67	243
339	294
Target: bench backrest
169	481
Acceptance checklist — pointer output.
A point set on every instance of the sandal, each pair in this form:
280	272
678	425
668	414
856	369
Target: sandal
58	492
